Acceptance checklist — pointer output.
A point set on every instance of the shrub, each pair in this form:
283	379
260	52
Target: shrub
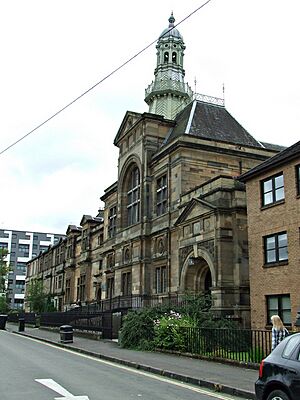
138	330
168	330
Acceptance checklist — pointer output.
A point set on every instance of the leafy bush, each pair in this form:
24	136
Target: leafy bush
166	326
168	330
138	330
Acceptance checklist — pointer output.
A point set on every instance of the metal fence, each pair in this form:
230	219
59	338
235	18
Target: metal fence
243	345
30	318
79	320
135	302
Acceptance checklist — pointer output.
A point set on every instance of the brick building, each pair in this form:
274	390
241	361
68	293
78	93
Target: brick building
175	220
273	203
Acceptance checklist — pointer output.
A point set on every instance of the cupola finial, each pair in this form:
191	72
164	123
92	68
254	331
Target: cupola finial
171	20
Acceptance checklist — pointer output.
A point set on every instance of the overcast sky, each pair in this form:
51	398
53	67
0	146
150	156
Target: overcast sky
53	50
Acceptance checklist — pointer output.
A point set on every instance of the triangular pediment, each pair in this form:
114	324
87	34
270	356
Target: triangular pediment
128	122
73	229
195	208
88	219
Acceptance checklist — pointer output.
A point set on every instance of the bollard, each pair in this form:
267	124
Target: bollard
21	324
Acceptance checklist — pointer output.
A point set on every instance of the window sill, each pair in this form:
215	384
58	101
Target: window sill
277	203
276	264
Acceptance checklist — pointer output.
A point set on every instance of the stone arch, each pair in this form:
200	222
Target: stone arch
198	273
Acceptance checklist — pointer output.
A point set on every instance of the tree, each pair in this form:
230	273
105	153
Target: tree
38	300
36	296
3	273
3	270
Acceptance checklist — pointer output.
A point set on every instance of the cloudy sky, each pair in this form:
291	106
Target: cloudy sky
54	50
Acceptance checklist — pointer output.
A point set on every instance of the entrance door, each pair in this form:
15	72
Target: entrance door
198	277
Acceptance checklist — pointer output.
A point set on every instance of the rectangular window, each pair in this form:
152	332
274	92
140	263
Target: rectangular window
112	222
110	290
24	250
85	241
298	179
68	291
18	303
3	245
276	248
279	305
20	284
81	288
161	195
70	248
100	239
126	283
272	190
21	266
59	282
161	279
133	197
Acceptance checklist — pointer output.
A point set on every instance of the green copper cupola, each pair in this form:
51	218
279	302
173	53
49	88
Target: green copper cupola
168	93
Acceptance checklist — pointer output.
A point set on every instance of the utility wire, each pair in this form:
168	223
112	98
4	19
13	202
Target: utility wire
102	80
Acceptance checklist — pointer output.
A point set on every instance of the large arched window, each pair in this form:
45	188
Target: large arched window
133	197
166	57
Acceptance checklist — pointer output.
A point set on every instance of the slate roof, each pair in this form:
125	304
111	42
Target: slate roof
212	122
281	158
271	146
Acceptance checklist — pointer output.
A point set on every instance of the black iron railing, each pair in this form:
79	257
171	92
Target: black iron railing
135	302
243	345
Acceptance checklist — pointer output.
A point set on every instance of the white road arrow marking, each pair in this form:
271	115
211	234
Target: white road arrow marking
56	387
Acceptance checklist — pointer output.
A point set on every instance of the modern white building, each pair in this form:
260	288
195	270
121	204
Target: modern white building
22	246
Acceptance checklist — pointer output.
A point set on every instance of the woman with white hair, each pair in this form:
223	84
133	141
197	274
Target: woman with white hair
279	331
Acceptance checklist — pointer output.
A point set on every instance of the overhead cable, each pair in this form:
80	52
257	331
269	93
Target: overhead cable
102	80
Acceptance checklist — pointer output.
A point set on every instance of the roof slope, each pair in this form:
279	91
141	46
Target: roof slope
286	155
212	122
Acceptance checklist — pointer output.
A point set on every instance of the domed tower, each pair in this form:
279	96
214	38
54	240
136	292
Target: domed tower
168	94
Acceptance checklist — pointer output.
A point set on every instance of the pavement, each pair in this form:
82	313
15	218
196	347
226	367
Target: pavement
226	378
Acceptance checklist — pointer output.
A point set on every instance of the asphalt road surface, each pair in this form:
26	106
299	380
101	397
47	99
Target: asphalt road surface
33	370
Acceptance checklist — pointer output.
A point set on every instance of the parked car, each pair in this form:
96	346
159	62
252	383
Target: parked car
279	373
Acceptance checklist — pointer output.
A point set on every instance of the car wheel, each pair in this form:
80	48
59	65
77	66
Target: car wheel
278	395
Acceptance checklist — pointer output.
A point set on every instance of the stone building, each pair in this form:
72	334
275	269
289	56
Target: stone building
273	199
175	220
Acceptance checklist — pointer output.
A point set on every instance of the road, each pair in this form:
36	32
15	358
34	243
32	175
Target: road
33	370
